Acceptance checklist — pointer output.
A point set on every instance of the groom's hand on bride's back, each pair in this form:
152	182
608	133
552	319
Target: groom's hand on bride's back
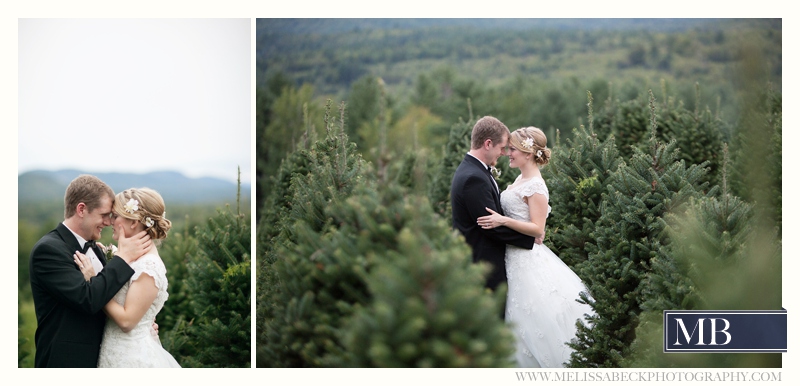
132	248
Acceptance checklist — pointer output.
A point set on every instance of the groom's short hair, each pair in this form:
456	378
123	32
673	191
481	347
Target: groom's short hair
488	127
85	189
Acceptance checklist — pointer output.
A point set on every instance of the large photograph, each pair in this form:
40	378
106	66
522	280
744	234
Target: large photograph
134	193
513	192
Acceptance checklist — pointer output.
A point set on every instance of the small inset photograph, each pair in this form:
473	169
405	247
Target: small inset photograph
134	193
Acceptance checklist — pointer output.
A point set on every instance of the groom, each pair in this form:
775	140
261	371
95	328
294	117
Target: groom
474	189
69	309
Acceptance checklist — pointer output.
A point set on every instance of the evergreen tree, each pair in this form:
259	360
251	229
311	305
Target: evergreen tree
757	153
698	134
341	237
387	274
627	121
713	236
277	204
219	282
265	159
279	128
172	322
458	144
719	261
332	170
577	177
629	233
414	171
428	306
363	107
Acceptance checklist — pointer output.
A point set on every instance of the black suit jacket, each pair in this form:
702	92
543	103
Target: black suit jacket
69	310
471	192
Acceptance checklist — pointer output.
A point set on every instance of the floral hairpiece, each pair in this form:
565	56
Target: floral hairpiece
539	154
132	206
527	143
148	222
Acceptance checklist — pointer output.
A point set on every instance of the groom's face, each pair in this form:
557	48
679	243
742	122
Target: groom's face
498	149
97	219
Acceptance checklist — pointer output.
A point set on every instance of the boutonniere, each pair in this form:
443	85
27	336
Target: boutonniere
495	172
109	250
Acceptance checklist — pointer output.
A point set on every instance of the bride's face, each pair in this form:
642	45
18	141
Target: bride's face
517	158
128	226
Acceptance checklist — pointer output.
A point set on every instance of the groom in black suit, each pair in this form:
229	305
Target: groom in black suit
69	309
474	189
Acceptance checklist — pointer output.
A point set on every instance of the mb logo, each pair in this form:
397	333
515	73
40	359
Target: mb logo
725	331
713	327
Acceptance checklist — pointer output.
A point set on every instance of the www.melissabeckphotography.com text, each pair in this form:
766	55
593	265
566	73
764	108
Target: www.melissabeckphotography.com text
646	376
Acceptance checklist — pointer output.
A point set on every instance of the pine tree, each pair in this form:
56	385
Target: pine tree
339	239
266	156
629	233
458	144
757	151
330	169
219	282
698	134
428	306
627	121
718	261
577	177
291	115
277	204
176	254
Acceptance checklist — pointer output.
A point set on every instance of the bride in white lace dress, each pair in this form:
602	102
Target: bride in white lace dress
541	307
130	339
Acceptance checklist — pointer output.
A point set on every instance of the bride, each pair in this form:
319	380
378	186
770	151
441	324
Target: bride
541	306
130	339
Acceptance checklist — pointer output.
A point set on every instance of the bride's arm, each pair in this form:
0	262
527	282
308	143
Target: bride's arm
537	205
141	295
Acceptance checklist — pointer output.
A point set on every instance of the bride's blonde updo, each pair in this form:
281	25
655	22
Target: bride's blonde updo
531	140
147	208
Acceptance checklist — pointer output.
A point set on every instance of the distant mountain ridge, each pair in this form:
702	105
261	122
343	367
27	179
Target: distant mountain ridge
174	187
338	26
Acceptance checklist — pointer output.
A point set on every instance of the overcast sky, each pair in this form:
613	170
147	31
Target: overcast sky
135	95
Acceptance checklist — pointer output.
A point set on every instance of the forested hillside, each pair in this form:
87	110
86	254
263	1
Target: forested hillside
434	72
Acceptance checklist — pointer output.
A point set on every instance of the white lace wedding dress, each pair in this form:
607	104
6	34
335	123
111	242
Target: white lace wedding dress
541	307
140	347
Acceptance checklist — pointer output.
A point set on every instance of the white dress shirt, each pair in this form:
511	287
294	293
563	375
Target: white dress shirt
487	168
98	266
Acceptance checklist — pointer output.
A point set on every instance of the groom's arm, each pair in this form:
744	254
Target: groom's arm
479	197
60	277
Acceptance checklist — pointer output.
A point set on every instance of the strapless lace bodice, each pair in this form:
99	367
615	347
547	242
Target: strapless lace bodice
140	347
